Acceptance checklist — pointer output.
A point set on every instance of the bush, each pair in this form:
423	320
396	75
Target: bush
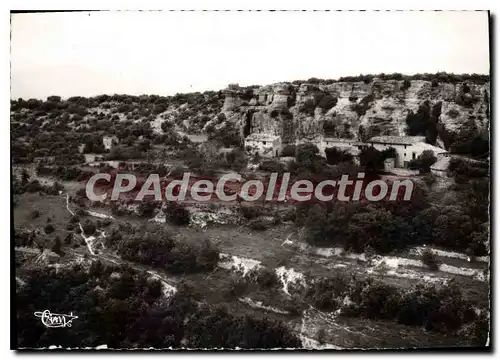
57	246
371	160
49	228
419	123
423	162
177	213
308	107
250	212
146	209
324	291
327	102
272	165
429	258
237	288
306	153
288	150
89	228
365	103
158	249
235	160
335	156
406	84
35	214
265	277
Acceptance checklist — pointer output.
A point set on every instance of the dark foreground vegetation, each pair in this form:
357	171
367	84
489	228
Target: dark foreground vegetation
441	309
123	308
157	248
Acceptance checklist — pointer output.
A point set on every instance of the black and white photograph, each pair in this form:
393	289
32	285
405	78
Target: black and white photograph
250	180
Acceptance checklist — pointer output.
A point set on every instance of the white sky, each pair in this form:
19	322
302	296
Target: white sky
164	53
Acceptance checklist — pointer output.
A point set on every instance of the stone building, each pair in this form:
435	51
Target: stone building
339	143
407	147
264	144
109	141
440	167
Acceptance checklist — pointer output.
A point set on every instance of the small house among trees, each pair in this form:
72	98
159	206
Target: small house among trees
263	144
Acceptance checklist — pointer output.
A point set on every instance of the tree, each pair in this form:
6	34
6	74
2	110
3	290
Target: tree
327	102
49	228
176	213
371	160
25	177
423	162
288	150
146	209
335	156
429	258
57	246
419	123
89	228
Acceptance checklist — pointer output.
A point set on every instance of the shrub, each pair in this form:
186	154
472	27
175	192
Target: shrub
361	107
235	159
237	288
146	209
371	160
324	291
88	228
264	276
308	107
48	229
335	156
429	258
272	165
177	213
419	123
57	246
423	162
288	150
306	153
250	212
327	102
406	84
35	213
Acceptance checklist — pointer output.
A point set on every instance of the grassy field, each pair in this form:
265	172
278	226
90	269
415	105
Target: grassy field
51	209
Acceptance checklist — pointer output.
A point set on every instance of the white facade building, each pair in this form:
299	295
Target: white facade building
407	147
263	144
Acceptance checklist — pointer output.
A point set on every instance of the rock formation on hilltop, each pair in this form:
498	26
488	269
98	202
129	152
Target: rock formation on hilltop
358	109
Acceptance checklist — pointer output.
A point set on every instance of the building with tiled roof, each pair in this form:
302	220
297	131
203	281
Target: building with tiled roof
397	140
407	148
264	144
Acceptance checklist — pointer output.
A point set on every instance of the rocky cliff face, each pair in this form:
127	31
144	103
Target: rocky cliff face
356	109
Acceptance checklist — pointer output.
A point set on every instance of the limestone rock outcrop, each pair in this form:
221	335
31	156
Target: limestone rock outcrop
354	109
